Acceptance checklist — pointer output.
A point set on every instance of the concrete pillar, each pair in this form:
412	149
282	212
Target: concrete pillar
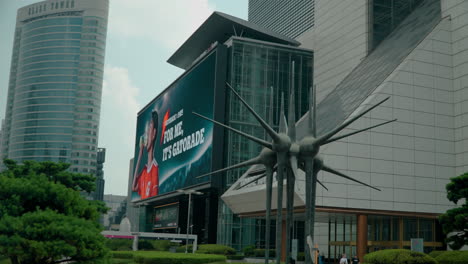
361	246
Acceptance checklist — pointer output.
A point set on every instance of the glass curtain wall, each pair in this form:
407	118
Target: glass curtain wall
383	232
256	69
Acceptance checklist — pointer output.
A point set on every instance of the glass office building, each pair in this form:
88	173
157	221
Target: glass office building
256	64
255	69
54	93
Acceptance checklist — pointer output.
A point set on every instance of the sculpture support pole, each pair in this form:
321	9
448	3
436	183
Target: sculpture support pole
279	209
289	216
269	186
310	193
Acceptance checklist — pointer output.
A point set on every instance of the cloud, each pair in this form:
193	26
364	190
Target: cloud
117	127
166	22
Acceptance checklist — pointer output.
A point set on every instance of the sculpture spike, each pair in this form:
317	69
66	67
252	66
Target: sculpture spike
256	172
270	115
314	129
310	120
262	122
250	162
293	161
328	169
282	124
319	182
328	135
255	139
356	132
269	187
292	117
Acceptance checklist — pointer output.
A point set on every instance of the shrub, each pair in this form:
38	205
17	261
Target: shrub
122	254
145	245
217	249
249	251
116	244
260	252
300	256
209	249
181	249
120	261
436	253
155	257
452	257
163	245
398	256
234	257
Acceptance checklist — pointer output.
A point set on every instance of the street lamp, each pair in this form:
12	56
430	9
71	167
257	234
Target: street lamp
189	192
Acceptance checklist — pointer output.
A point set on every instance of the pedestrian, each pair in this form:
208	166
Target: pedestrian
355	260
343	259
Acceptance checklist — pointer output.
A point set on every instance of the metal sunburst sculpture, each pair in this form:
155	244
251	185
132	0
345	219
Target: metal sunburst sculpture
286	154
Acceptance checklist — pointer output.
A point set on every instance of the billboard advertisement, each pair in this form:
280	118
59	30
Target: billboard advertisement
172	145
166	216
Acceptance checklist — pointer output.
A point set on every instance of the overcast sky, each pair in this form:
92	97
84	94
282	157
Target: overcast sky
142	34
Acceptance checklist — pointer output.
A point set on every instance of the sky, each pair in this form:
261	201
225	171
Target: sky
141	36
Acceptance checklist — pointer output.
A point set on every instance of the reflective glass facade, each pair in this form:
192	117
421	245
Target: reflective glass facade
55	84
383	232
256	68
386	15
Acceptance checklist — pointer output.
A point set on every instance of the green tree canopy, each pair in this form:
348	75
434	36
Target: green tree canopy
45	219
456	220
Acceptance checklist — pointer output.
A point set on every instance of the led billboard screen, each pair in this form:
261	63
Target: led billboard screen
166	216
172	145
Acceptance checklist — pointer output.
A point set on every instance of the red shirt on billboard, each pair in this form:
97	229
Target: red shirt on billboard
146	181
148	184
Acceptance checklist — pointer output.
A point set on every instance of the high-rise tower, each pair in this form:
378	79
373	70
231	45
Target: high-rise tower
55	85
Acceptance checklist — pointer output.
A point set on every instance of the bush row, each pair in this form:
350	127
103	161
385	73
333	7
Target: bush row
451	257
404	256
398	256
210	249
143	244
175	258
158	257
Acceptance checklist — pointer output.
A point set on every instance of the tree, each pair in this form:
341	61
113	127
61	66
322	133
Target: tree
44	218
456	220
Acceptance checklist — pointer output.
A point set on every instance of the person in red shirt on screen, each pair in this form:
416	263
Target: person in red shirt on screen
146	182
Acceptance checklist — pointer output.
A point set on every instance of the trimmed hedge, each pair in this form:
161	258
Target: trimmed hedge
398	256
249	251
260	252
122	254
121	261
154	257
452	257
217	249
234	257
210	249
117	244
436	253
181	249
